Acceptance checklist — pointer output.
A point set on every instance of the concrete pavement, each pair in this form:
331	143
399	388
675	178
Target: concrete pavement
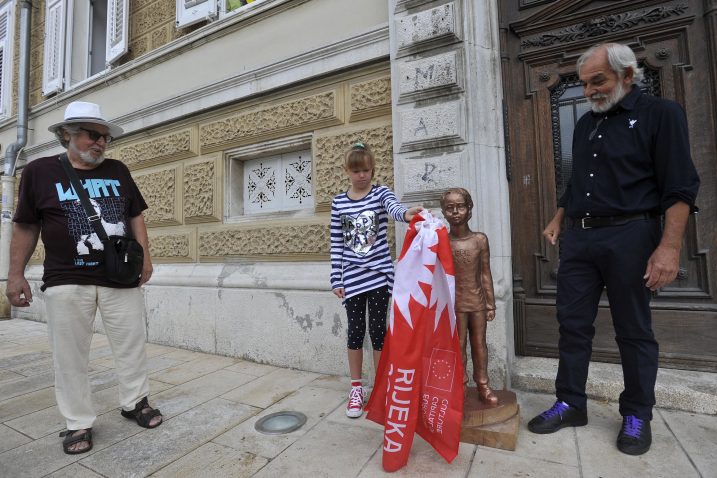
211	403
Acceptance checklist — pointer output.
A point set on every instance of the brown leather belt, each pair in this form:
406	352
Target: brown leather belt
590	222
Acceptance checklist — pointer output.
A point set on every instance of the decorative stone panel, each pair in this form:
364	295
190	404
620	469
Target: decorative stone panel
421	174
428	77
202	191
370	98
38	256
174	246
429	29
295	116
329	154
170	147
442	124
296	241
161	192
162	11
138	47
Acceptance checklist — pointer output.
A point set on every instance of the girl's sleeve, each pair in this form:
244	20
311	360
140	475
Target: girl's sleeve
391	204
337	248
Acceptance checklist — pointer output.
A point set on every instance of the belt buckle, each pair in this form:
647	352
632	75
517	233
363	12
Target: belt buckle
582	223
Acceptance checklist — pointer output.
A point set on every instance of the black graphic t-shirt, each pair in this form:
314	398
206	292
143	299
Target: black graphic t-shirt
73	252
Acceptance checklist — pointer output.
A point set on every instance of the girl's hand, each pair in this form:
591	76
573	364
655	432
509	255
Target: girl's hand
408	215
339	292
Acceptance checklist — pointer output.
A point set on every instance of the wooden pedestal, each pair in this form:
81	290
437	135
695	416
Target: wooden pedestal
495	427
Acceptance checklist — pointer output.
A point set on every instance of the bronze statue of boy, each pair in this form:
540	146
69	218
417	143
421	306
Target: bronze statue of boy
475	301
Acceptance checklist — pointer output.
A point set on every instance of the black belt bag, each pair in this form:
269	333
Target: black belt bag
124	256
589	222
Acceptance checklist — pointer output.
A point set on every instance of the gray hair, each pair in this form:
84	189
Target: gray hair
620	57
65	128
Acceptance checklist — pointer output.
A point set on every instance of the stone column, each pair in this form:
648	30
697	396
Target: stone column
448	130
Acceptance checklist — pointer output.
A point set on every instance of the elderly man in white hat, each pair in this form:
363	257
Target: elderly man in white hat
74	280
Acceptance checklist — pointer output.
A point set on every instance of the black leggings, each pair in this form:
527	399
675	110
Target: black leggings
356	311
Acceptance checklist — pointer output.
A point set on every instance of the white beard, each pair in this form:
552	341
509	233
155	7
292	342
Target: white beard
610	99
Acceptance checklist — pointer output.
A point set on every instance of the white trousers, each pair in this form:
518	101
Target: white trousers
70	313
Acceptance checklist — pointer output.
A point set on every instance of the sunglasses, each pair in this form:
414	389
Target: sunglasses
95	136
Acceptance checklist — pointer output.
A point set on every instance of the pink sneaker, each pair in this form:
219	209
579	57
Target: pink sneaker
357	395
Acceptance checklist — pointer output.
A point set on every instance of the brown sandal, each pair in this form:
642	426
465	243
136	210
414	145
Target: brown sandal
143	418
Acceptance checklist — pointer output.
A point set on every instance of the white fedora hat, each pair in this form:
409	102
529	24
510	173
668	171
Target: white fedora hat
84	112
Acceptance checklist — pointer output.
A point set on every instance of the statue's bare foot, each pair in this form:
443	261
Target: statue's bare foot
486	395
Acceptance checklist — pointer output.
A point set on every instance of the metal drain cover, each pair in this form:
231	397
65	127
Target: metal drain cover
280	422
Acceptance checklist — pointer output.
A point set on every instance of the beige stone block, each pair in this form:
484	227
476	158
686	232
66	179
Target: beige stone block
171	245
162	12
186	371
282	119
297	240
269	389
203	190
161	189
213	460
168	147
370	98
329	151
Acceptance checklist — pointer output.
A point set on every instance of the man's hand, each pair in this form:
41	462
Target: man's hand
552	230
339	292
18	291
490	315
662	267
147	270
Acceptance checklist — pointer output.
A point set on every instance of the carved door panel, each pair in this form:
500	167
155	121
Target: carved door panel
676	43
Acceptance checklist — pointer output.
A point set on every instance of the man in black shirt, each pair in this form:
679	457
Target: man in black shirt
631	165
75	285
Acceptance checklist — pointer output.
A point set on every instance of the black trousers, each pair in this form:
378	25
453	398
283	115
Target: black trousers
614	257
377	302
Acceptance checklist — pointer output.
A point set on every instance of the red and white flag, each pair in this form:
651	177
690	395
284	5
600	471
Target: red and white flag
419	380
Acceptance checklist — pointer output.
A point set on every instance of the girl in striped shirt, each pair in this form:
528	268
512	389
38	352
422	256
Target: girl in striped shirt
361	265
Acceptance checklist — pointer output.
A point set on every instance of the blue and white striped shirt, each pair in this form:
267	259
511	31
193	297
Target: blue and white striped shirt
360	258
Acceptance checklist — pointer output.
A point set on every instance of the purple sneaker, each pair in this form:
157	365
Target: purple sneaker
635	436
560	415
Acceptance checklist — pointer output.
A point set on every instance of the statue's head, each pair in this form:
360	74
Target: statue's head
457	206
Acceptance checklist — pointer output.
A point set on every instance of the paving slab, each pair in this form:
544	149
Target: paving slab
21	386
599	455
251	368
23	359
186	371
169	442
334	382
269	389
181	398
27	403
697	435
423	461
75	470
491	463
6	375
11	438
328	450
185	355
313	402
216	461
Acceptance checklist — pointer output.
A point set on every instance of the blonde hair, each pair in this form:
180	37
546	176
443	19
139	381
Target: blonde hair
359	155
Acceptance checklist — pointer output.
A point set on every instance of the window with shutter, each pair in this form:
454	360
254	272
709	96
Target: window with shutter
54	51
117	29
6	37
190	12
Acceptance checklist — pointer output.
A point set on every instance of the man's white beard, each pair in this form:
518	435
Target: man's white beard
611	99
87	158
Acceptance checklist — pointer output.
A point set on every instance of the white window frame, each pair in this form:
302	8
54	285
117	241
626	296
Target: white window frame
116	42
6	45
234	178
190	12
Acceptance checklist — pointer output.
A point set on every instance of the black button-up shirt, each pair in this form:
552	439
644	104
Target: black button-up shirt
634	158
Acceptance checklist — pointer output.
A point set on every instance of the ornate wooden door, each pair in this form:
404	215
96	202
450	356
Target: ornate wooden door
676	43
